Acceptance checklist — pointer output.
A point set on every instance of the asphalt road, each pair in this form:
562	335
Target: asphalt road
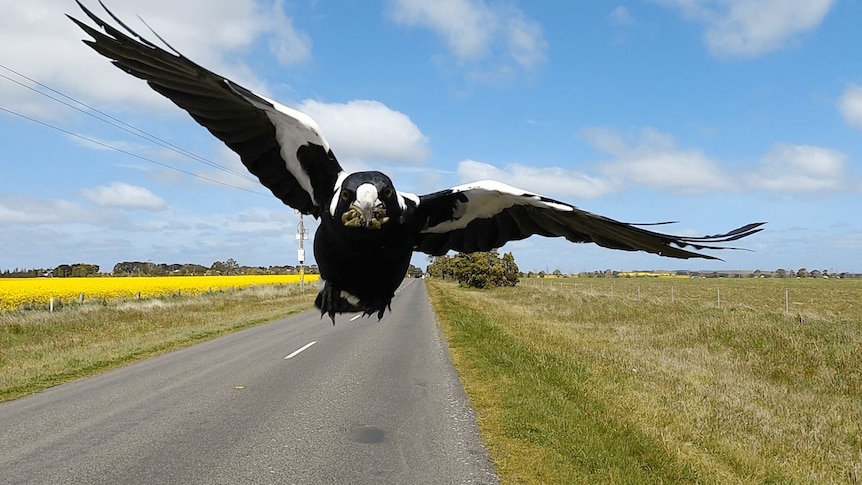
367	402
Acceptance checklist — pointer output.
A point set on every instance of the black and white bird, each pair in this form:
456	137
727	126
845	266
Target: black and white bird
368	230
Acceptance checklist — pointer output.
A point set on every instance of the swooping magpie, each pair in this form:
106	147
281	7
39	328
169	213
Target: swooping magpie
368	230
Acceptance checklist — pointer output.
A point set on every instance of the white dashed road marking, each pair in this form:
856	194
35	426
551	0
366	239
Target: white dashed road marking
297	351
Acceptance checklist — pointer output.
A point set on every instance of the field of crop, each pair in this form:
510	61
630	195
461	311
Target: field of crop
37	292
661	380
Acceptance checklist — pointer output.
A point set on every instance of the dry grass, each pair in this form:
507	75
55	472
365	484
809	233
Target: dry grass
39	349
742	393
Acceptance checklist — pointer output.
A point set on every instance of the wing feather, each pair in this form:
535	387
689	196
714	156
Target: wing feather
281	146
485	215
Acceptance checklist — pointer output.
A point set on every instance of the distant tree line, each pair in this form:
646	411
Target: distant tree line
459	265
148	268
227	267
76	270
779	273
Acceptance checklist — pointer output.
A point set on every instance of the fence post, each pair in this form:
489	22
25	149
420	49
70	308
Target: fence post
786	300
81	298
52	304
719	298
671	294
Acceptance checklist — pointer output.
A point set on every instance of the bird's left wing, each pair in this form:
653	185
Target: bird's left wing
485	215
281	146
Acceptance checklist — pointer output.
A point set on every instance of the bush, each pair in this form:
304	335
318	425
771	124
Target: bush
477	270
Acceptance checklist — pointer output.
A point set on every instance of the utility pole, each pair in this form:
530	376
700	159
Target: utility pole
301	236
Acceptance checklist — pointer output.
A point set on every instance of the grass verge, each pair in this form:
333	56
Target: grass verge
574	386
39	349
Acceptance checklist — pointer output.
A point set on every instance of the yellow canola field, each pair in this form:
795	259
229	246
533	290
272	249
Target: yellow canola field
18	292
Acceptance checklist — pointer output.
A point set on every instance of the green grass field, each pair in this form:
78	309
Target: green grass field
615	381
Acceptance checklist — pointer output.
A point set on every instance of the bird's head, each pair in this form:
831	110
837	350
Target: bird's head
365	200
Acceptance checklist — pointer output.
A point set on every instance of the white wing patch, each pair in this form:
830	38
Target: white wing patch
488	198
292	129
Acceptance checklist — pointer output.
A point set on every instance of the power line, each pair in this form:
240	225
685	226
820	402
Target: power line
126	152
117	123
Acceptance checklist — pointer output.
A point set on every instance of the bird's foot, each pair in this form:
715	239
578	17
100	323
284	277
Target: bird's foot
330	300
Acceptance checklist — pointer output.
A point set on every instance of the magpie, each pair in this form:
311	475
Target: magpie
367	229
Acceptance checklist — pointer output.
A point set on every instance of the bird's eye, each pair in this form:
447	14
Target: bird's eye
345	195
387	193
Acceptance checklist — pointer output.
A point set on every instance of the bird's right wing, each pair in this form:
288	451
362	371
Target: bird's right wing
281	146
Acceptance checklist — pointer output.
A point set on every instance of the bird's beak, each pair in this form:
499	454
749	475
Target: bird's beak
366	211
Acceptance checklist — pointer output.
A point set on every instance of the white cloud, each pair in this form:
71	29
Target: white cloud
368	130
475	31
746	28
799	169
467	26
525	39
29	211
850	105
548	181
620	16
37	40
289	45
124	196
654	161
47	232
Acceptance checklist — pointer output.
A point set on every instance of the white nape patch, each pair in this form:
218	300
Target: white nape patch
333	203
406	195
488	198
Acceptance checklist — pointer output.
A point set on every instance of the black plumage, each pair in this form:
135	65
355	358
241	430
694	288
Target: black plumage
368	230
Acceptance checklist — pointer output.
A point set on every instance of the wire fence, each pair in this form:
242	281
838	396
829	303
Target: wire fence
839	297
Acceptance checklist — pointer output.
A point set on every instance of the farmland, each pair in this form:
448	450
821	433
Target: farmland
661	381
35	293
40	349
574	380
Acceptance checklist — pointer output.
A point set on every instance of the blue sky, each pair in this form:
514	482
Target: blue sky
713	113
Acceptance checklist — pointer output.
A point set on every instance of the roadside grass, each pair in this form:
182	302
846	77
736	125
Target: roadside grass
588	384
40	349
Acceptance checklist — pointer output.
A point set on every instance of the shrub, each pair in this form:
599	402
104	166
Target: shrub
477	270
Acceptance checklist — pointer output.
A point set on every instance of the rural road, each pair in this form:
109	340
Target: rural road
368	402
